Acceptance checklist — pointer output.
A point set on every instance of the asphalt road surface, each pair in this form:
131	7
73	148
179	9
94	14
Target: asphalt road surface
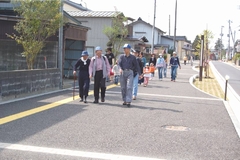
169	120
234	74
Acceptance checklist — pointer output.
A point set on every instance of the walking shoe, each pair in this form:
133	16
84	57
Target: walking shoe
124	103
134	98
128	104
81	100
102	99
85	101
96	101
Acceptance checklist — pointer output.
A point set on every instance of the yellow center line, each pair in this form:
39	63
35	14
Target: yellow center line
41	108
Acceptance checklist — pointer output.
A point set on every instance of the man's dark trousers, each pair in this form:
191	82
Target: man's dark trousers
83	81
99	82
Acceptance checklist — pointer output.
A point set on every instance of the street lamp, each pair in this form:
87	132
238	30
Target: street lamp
226	78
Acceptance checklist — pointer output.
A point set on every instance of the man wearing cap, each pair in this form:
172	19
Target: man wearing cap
174	63
83	76
99	68
128	67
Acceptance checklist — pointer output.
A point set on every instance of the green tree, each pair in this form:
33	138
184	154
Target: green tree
116	33
196	45
40	19
218	45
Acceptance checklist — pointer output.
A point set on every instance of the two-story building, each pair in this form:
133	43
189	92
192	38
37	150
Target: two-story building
141	28
183	47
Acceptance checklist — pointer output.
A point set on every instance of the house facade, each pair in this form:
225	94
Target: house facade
183	47
141	28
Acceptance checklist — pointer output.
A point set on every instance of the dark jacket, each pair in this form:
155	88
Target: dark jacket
153	60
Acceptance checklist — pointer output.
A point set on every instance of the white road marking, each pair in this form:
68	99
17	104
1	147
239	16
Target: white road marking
172	96
67	152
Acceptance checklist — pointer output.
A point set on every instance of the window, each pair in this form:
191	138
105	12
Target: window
90	51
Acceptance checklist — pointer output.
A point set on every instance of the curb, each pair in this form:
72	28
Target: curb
234	99
192	79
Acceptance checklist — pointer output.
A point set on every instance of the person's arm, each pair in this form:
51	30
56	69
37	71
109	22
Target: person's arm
113	57
107	66
76	66
138	66
135	65
90	68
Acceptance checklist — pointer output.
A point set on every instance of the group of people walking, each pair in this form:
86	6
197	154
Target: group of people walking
130	69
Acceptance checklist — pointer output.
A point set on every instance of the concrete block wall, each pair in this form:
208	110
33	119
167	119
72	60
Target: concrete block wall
17	84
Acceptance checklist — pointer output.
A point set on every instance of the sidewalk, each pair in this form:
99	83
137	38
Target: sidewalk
169	120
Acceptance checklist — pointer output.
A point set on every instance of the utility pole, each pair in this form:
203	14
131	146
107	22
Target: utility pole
201	58
175	28
229	32
169	27
153	29
60	47
221	43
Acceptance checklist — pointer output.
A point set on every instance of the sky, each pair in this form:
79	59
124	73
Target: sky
193	16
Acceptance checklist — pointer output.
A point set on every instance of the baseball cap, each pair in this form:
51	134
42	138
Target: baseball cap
84	53
98	48
127	46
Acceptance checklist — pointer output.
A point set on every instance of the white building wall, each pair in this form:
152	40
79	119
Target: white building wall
95	36
144	28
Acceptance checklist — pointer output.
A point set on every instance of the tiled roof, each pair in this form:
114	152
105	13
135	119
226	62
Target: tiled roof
92	13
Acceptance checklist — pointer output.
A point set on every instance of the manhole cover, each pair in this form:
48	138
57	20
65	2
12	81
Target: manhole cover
176	128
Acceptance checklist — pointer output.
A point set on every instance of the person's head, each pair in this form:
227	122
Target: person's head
160	55
116	62
174	54
151	64
84	55
140	54
136	53
147	65
98	51
127	49
153	55
109	50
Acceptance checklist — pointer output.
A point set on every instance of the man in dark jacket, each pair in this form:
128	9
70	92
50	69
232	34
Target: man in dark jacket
153	60
83	76
174	63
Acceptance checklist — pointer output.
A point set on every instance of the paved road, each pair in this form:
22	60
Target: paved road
234	73
154	127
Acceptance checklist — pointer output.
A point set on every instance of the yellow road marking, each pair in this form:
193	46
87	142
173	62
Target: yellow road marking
41	108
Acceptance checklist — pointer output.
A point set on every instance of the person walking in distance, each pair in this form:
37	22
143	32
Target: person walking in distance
99	68
144	61
116	71
147	75
165	68
83	76
160	65
137	75
174	63
110	57
153	60
128	66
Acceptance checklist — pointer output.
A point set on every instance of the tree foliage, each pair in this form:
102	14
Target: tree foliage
218	45
196	45
116	33
40	19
